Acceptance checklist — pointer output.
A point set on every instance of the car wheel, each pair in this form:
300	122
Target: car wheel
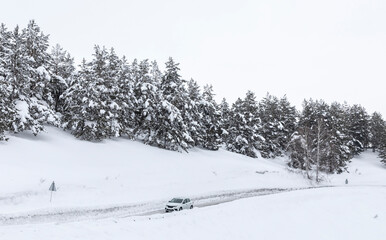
180	209
191	206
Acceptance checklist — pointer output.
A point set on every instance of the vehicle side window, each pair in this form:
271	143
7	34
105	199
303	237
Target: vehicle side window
185	201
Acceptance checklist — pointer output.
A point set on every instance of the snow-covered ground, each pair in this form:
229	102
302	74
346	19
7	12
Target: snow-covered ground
121	171
95	179
329	213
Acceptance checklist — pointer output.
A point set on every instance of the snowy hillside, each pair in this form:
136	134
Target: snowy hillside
122	171
116	189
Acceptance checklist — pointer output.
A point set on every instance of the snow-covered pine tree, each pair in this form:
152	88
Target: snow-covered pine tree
323	125
382	155
244	127
377	131
35	45
90	109
288	118
15	61
278	119
382	150
26	67
5	51
169	130
210	121
146	94
126	99
113	104
7	107
251	113
380	138
270	126
76	104
157	121
225	113
194	114
172	86
236	140
62	70
155	74
339	140
358	128
174	93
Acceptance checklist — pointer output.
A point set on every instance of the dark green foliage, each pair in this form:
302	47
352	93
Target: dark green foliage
278	120
225	113
210	121
243	133
194	115
91	111
382	154
24	69
358	128
377	131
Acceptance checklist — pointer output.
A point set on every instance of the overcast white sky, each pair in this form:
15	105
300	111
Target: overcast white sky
332	49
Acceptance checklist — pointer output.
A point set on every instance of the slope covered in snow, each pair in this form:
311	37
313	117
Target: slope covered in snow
121	172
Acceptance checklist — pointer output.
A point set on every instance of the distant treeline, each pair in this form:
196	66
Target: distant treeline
109	97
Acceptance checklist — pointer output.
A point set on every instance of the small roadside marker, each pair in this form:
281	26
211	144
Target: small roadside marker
52	189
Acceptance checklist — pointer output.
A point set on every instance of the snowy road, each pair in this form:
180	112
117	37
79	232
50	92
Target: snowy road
122	211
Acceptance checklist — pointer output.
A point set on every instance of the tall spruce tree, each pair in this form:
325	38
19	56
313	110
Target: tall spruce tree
174	92
382	152
91	111
125	98
62	70
147	96
195	113
238	139
157	121
225	113
244	126
278	119
7	108
358	128
26	62
339	139
210	120
377	131
288	118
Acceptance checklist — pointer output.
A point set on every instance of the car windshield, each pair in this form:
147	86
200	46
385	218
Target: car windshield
176	200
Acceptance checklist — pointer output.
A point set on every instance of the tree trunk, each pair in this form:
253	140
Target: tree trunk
307	159
318	152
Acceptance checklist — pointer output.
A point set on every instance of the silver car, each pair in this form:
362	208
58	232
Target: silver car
177	204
